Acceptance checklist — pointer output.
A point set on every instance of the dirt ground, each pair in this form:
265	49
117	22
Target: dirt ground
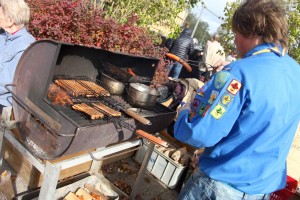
123	174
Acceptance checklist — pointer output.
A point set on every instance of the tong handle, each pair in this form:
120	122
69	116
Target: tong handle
138	117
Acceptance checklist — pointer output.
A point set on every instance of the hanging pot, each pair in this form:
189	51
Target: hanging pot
112	85
142	96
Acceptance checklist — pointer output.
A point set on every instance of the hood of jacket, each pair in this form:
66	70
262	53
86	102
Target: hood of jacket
188	32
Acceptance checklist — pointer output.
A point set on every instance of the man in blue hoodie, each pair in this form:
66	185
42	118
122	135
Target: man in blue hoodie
14	39
246	117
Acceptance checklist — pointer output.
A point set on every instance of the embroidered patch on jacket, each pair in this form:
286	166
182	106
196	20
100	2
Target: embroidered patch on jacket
195	104
226	99
202	109
234	87
191	115
218	111
221	78
214	94
200	92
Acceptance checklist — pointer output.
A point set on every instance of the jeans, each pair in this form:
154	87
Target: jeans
175	69
200	187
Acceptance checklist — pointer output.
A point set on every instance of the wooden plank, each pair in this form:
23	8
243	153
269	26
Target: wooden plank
30	174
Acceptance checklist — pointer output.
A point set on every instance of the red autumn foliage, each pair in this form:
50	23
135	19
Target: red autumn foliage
78	22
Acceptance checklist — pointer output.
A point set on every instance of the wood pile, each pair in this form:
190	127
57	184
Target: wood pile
88	192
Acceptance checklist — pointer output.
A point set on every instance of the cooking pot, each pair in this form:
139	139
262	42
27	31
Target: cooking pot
112	85
141	95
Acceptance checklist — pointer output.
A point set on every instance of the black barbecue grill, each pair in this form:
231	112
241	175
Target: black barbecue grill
50	131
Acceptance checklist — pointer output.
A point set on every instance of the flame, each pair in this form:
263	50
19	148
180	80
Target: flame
59	96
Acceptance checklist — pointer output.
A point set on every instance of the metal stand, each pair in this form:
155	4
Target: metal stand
51	171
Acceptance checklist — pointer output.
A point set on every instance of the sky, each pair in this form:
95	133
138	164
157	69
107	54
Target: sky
213	9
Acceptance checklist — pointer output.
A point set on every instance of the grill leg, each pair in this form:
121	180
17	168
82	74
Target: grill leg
50	180
137	183
96	164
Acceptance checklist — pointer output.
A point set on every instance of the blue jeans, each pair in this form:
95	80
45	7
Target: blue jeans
200	187
175	69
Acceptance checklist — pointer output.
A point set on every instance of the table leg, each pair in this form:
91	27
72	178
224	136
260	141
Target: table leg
137	183
50	179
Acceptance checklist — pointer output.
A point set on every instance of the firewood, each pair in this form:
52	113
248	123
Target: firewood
178	154
85	194
169	151
184	160
160	148
94	192
71	196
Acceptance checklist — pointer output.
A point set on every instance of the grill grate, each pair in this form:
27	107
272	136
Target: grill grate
116	102
81	119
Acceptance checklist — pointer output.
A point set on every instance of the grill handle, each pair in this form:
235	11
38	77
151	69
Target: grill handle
113	156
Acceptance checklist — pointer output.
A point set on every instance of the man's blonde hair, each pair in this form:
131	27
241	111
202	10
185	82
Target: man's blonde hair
16	10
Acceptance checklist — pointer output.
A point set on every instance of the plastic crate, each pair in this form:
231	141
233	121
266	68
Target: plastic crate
286	193
162	167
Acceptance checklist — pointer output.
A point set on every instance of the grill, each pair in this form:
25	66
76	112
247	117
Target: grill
51	130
